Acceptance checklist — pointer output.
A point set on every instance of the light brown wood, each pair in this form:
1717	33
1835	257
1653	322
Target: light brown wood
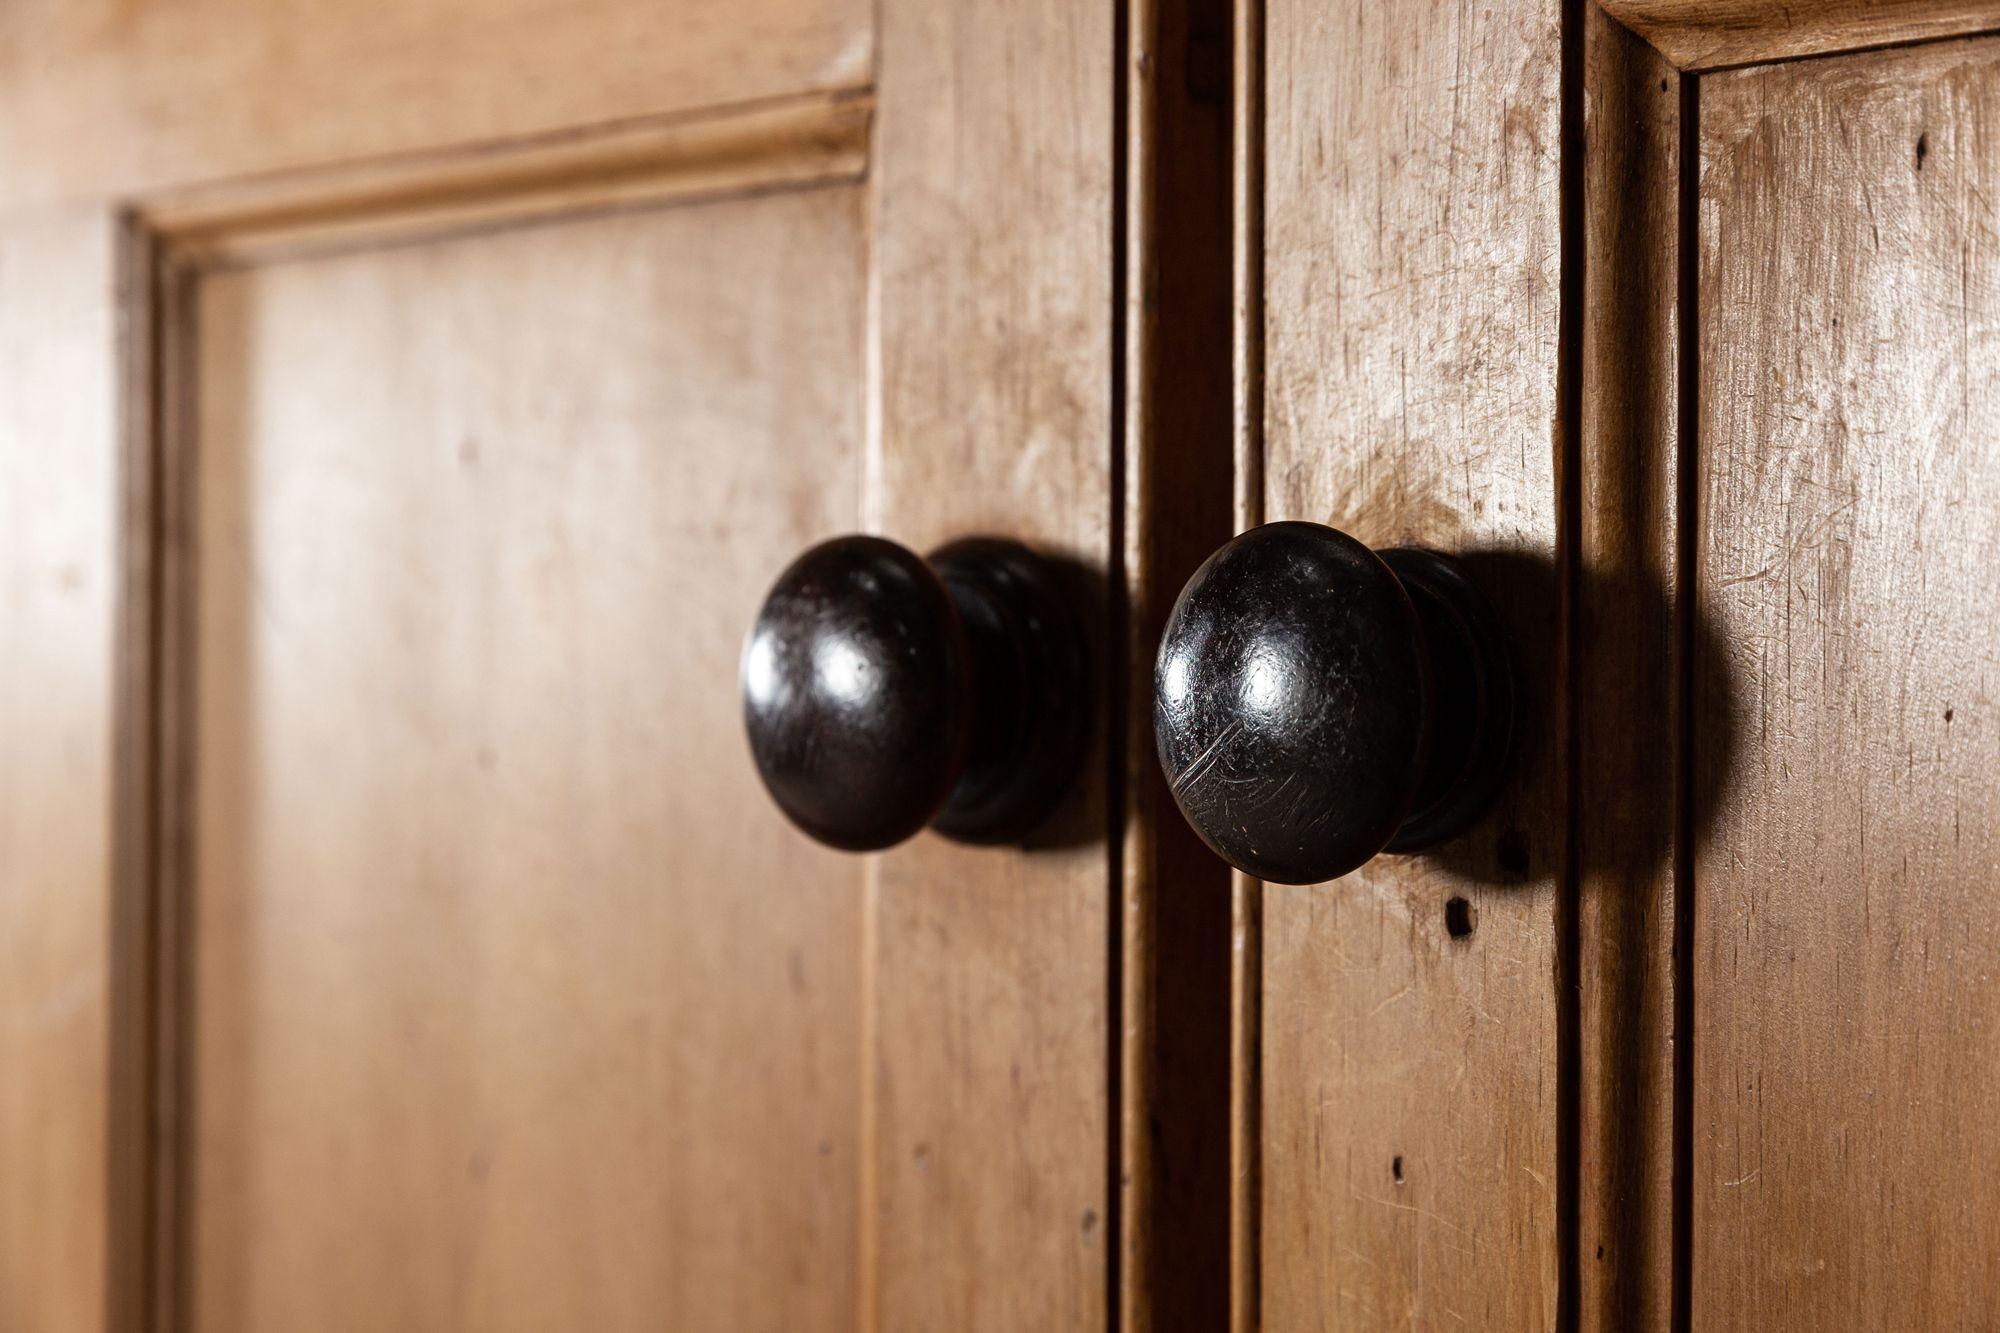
1412	229
99	104
1709	34
1628	706
111	96
1848	1024
360	998
996	1027
808	140
496	951
59	391
1176	948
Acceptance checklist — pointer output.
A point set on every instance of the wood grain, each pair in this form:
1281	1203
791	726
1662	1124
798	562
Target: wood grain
1709	34
481	888
1177	482
991	1199
1412	229
1628	637
59	431
402	137
113	97
102	103
1847	1019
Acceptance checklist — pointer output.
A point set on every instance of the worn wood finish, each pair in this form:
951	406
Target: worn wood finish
109	96
1176	935
990	1199
1627	703
1710	34
458	963
1412	252
1847	1021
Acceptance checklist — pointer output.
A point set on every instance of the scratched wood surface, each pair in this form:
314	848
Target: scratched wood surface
1411	293
1628	630
1846	960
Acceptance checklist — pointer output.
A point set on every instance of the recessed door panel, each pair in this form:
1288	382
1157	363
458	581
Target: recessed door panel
1846	1023
510	1002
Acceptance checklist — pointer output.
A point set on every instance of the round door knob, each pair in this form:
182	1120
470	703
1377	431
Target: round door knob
884	692
1316	702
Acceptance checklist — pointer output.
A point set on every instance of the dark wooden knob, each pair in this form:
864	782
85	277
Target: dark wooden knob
884	692
1316	702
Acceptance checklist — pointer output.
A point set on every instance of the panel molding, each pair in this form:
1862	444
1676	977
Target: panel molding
792	142
1716	34
1632	621
136	1132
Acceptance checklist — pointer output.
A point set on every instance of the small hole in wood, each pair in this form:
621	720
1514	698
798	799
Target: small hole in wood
1923	149
1947	716
1396	1168
1459	918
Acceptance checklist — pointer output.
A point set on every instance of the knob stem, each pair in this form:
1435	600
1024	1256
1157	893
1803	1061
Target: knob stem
1029	686
1472	699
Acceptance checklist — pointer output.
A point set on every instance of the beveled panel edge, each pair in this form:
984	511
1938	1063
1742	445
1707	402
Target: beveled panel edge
1719	34
151	784
1632	626
785	143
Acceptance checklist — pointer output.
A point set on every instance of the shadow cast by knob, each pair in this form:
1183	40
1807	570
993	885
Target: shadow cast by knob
1648	772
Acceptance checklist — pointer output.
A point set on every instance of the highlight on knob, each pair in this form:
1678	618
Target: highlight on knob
884	692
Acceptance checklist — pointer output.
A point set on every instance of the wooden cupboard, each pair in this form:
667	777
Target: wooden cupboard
404	407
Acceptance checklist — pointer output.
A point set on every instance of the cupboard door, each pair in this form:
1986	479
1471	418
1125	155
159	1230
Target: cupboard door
1690	365
1786	284
407	427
